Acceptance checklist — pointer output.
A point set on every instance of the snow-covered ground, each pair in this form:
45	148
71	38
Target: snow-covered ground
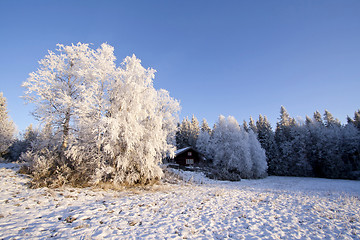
271	208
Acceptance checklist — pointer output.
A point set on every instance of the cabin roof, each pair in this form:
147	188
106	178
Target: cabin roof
177	152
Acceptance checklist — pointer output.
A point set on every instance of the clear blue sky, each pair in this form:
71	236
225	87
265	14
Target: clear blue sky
237	58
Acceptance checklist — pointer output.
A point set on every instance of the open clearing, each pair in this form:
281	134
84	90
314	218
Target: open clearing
271	208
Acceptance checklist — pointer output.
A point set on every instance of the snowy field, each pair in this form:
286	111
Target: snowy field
272	208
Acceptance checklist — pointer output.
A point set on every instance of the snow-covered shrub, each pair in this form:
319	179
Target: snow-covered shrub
23	144
108	123
224	174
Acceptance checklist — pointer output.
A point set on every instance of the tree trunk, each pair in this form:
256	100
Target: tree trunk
64	144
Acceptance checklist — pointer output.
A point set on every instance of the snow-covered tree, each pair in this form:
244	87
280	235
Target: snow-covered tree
252	125
230	148
351	147
205	126
60	88
7	127
283	140
266	137
308	120
139	129
188	133
203	140
106	123
330	152
356	120
330	120
183	134
298	161
258	157
318	117
245	126
202	144
194	131
234	152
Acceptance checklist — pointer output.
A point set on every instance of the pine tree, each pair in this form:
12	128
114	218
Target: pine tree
329	120
356	120
194	131
330	152
318	117
187	133
298	161
245	126
351	149
308	120
183	134
283	140
252	125
205	126
7	127
266	137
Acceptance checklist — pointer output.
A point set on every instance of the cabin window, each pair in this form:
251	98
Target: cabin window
189	153
189	161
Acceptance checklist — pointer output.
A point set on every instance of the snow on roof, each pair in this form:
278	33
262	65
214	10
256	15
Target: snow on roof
182	150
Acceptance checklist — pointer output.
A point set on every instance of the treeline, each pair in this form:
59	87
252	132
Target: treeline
317	147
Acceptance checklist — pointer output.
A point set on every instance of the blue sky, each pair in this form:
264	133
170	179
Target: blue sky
239	58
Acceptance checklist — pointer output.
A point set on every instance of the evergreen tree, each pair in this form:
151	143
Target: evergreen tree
308	120
252	125
266	137
351	149
245	126
313	144
356	120
297	161
318	117
329	120
283	140
330	158
194	131
205	126
188	133
183	134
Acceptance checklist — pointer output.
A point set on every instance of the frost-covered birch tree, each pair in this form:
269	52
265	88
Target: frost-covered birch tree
108	123
139	127
57	89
